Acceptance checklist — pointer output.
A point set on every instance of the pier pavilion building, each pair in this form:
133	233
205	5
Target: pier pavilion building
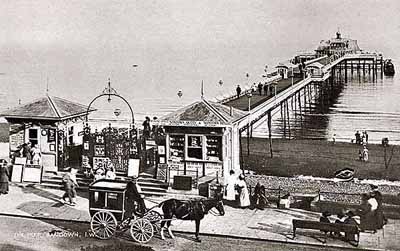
337	45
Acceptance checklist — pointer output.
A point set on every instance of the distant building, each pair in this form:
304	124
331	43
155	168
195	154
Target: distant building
303	57
338	45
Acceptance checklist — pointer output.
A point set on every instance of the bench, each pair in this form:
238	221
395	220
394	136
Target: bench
327	227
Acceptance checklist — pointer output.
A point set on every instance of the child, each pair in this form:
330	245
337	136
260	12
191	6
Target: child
70	184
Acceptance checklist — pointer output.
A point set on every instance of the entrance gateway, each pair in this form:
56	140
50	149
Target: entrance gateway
110	145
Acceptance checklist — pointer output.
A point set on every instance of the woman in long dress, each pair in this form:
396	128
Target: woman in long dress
230	194
4	174
244	197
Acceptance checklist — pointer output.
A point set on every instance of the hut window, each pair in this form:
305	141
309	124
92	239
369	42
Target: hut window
214	148
71	135
195	147
33	136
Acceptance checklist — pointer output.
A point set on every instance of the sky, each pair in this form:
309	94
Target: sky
74	47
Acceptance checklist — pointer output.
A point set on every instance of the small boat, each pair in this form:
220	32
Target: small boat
388	68
346	174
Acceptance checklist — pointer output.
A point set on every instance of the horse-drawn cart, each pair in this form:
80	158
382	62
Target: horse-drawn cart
108	207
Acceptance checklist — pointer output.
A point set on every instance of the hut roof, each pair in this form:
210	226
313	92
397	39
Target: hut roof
203	113
47	108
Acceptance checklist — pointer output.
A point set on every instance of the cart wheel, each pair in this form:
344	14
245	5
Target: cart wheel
155	218
103	225
141	230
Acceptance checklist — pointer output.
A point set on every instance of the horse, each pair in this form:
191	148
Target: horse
188	210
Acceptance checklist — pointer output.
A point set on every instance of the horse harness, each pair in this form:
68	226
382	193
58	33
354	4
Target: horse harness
192	208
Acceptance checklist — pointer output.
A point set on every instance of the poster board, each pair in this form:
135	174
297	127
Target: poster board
133	167
20	161
17	136
100	162
17	173
32	173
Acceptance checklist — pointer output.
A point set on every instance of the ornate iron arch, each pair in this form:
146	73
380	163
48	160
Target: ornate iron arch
109	91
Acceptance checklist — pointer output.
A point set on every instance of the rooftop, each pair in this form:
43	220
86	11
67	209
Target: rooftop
46	108
206	112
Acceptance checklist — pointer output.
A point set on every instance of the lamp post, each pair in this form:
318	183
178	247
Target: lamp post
249	95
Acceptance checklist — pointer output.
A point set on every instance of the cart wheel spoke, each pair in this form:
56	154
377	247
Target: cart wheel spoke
103	224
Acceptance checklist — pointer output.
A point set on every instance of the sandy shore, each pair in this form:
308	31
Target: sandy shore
318	158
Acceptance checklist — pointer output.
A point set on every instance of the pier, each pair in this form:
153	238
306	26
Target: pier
311	81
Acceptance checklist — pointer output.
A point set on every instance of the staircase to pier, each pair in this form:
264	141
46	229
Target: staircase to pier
149	185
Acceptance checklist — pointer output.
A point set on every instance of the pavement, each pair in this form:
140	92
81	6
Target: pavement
270	224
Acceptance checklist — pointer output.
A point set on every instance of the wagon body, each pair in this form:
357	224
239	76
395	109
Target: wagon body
108	195
107	207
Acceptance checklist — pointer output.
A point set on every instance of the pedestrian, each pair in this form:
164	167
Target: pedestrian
100	173
360	155
254	87
265	89
365	153
36	155
271	89
363	138
334	138
259	198
230	192
366	137
368	207
260	87
379	216
358	139
4	177
70	185
238	91
110	174
244	197
146	128
26	152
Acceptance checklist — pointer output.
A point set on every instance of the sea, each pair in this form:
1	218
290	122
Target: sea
149	51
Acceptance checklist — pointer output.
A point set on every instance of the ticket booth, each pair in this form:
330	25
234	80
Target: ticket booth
202	139
50	124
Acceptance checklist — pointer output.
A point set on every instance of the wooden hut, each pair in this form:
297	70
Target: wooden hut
53	124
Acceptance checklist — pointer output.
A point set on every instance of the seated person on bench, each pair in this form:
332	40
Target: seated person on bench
324	219
340	220
350	220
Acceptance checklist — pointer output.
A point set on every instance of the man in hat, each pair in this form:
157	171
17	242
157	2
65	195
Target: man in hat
133	195
350	220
